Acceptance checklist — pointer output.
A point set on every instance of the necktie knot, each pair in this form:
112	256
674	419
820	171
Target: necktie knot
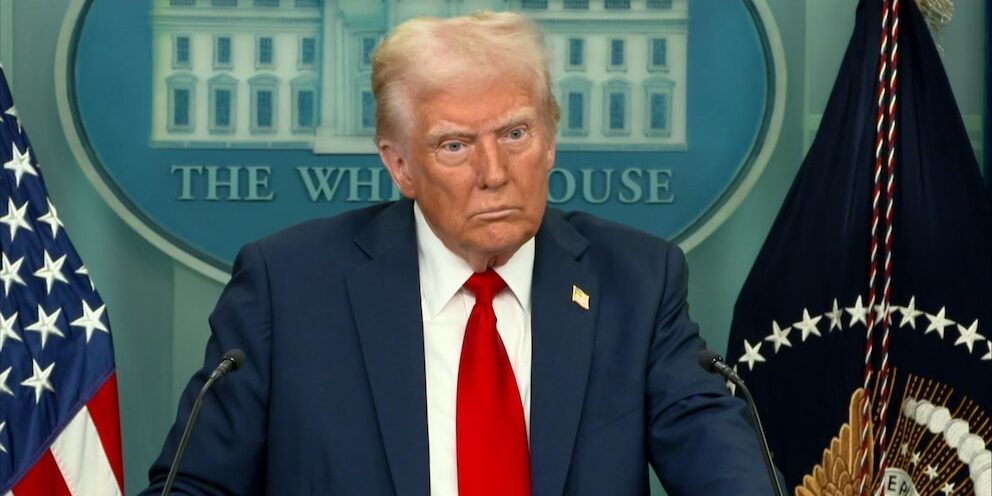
485	285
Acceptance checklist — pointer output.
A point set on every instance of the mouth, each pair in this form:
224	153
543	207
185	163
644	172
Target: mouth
497	213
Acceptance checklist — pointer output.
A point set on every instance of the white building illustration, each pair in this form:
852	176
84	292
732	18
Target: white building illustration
286	74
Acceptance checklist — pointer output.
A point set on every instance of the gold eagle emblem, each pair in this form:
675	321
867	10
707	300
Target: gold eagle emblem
837	474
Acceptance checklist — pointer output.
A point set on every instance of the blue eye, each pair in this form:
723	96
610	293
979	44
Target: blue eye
452	146
516	133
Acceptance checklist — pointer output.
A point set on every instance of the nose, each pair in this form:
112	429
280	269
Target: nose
492	163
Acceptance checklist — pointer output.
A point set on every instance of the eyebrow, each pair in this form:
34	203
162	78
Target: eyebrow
451	130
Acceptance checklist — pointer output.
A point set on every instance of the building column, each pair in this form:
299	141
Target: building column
328	59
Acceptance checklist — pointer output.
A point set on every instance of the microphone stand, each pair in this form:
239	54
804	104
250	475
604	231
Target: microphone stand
231	361
760	432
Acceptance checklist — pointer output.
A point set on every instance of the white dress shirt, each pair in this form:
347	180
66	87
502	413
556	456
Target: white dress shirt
446	307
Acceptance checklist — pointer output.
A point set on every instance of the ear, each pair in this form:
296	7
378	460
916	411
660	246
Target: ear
393	157
551	154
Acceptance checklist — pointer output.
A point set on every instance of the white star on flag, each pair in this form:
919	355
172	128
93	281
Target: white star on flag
948	488
91	320
2	447
988	356
51	271
808	324
52	219
969	335
83	272
4	388
9	273
20	163
779	336
7	329
834	317
46	325
915	459
938	322
12	111
859	313
931	472
909	314
39	380
751	354
15	218
882	312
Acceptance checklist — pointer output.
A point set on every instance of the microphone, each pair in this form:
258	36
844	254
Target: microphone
713	363
231	362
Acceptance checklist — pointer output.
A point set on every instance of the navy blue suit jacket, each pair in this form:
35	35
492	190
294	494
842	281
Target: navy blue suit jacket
332	397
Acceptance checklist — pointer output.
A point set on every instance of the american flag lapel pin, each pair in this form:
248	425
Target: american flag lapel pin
580	297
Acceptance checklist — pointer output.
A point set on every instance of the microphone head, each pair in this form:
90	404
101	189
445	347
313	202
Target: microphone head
708	358
236	357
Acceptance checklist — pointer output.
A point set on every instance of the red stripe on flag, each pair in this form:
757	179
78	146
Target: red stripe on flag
106	417
43	478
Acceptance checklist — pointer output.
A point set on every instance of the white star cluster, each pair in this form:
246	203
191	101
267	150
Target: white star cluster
957	334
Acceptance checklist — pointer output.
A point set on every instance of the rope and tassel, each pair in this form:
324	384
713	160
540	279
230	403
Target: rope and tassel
884	154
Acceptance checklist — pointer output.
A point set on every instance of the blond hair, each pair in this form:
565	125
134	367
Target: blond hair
428	54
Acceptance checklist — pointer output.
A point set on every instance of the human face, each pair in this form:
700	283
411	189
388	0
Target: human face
476	160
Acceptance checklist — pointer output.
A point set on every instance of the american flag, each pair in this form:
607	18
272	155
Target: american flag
59	422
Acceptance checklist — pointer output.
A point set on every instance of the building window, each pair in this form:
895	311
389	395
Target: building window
180	106
223	90
617	111
617	108
180	52
264	93
222	108
263	106
576	55
304	116
368	110
224	3
222	52
658	59
367	45
617	56
658	112
534	4
308	51
181	103
576	112
182	3
264	51
266	3
658	92
304	109
577	4
617	4
659	4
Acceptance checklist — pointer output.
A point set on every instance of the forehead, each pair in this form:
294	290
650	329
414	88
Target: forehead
476	104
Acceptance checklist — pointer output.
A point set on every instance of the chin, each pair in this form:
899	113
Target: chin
502	243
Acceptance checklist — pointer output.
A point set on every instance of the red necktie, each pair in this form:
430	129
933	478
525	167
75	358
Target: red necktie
493	458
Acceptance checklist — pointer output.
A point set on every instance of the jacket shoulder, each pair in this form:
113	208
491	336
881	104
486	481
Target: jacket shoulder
612	236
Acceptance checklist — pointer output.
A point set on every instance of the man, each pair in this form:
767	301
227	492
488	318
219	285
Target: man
465	340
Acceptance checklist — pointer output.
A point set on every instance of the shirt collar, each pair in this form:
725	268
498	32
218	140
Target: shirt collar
442	272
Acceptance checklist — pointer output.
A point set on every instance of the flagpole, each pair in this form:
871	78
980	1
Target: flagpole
987	126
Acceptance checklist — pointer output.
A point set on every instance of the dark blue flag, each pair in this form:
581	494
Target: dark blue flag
799	333
59	421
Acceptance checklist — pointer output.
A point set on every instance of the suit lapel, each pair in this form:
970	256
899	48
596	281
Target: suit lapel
562	338
385	299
